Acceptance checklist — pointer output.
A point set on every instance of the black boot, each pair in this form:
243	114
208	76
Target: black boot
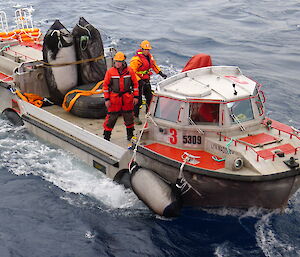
129	133
107	135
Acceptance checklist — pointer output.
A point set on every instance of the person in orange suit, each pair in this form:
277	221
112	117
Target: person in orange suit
121	93
142	63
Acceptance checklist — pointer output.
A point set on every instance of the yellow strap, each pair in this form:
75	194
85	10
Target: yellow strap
144	72
19	94
71	63
80	93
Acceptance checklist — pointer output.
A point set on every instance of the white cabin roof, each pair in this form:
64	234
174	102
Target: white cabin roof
215	82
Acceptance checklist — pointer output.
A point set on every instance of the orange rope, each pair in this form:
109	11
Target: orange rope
80	93
31	98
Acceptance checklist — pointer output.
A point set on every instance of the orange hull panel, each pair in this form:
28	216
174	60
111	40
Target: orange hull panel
206	161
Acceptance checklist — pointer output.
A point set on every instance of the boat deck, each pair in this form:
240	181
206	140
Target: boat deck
95	126
203	159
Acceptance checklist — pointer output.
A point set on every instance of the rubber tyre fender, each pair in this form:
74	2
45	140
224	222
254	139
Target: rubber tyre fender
13	117
88	106
234	162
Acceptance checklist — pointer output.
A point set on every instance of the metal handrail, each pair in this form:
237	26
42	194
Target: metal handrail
280	130
23	18
257	154
3	22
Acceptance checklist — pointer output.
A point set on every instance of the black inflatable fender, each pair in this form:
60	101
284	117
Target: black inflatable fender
13	117
123	177
92	47
58	47
155	200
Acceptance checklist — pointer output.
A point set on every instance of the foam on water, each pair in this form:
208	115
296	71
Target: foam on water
253	212
276	234
226	249
22	154
272	243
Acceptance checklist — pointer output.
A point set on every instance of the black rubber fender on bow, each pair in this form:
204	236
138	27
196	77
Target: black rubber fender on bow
13	117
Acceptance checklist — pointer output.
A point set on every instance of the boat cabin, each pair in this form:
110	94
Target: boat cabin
210	99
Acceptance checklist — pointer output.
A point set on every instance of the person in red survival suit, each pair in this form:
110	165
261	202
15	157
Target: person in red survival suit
209	112
121	93
142	64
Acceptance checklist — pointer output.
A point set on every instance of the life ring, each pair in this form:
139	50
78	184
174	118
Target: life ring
88	106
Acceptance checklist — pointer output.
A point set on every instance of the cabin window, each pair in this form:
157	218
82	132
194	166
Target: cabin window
167	109
240	111
204	113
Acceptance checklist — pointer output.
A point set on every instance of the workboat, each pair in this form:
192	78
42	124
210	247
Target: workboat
205	141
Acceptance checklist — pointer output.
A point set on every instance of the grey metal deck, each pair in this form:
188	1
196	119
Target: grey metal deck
95	126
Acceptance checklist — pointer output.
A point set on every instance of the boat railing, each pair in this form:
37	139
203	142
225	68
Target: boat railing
294	133
5	78
258	155
20	55
3	22
23	18
289	133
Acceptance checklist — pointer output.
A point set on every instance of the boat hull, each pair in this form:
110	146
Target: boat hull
270	192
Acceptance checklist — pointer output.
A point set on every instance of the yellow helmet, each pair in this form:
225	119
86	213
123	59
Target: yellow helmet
145	45
119	57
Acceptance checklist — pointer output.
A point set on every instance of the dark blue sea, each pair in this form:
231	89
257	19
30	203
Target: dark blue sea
52	204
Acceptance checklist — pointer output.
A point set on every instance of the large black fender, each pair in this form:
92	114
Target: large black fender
123	178
13	117
88	106
160	196
88	43
58	48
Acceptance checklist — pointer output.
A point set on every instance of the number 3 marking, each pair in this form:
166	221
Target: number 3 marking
173	138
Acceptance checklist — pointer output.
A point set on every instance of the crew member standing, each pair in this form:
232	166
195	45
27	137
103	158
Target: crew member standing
142	63
121	93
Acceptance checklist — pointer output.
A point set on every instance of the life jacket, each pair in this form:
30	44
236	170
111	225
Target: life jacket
142	65
119	83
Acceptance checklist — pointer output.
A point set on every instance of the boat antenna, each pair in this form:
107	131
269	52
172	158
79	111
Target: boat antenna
235	92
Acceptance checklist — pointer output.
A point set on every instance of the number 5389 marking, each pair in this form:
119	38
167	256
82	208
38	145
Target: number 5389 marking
191	139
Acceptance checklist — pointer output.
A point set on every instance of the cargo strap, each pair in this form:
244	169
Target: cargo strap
71	63
80	93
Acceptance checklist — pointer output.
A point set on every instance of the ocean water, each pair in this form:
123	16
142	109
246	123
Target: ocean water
52	204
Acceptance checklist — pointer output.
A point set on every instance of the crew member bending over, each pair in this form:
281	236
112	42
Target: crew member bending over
121	94
142	63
